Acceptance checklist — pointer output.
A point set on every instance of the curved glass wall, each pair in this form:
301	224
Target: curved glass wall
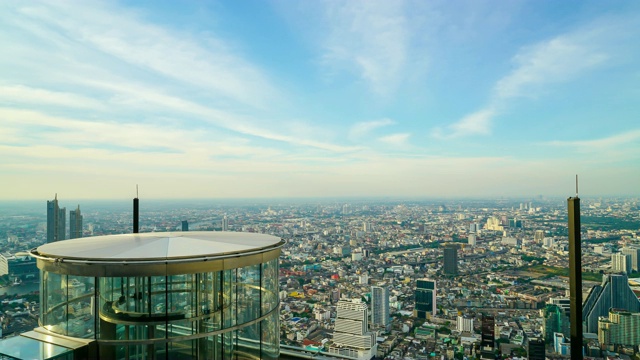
230	314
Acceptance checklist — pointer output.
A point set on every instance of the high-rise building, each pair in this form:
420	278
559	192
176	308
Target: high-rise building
634	252
472	240
487	341
621	263
56	221
75	223
538	236
225	223
450	260
620	328
614	292
464	324
425	298
556	320
380	306
351	335
185	225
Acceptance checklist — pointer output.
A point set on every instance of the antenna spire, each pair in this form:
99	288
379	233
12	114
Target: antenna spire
576	185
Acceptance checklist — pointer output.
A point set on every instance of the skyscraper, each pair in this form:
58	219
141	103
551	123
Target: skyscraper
613	293
556	320
351	335
450	260
185	225
75	223
425	298
225	223
487	343
56	220
380	306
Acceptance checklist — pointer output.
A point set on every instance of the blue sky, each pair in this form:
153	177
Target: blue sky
319	98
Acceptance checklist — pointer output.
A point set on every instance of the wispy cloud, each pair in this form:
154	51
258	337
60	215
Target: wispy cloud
371	38
559	59
631	137
362	129
399	139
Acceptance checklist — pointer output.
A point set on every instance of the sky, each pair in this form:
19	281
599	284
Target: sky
261	99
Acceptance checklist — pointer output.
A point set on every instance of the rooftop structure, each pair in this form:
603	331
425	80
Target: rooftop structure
188	295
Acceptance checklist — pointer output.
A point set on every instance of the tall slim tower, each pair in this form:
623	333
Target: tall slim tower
380	306
225	223
75	223
425	298
575	275
56	221
450	260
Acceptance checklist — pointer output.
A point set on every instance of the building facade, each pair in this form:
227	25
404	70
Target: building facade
621	263
380	316
196	295
351	335
75	223
634	252
425	298
614	292
450	260
620	328
56	221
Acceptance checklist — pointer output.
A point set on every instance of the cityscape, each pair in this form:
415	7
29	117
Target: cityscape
326	179
385	279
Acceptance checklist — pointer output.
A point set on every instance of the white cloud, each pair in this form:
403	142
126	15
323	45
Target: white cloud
478	123
371	37
18	94
362	129
399	139
596	145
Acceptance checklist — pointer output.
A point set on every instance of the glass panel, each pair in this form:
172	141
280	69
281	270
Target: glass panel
249	342
182	349
269	285
270	337
230	339
248	293
55	303
80	291
229	298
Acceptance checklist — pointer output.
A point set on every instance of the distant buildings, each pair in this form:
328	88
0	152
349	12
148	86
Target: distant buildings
487	342
472	240
621	263
351	335
634	253
620	328
380	306
555	321
425	298
185	225
450	260
464	324
613	293
225	223
56	221
536	349
75	223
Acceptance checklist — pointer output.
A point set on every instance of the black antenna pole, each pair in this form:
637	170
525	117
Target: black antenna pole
136	212
575	275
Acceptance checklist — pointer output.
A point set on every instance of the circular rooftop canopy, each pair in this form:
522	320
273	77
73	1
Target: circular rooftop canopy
159	246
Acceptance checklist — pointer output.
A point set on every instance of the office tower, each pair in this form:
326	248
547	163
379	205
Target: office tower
450	260
225	223
351	336
220	290
185	225
621	263
620	328
487	342
335	295
75	223
556	320
634	252
380	306
425	298
575	275
536	349
472	240
366	227
614	292
56	221
464	324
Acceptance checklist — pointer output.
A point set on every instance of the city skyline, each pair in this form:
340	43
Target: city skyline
319	99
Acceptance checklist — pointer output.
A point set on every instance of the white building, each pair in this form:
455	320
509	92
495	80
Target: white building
621	263
472	239
351	335
464	324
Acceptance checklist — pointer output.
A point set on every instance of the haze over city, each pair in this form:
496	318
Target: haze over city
258	99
